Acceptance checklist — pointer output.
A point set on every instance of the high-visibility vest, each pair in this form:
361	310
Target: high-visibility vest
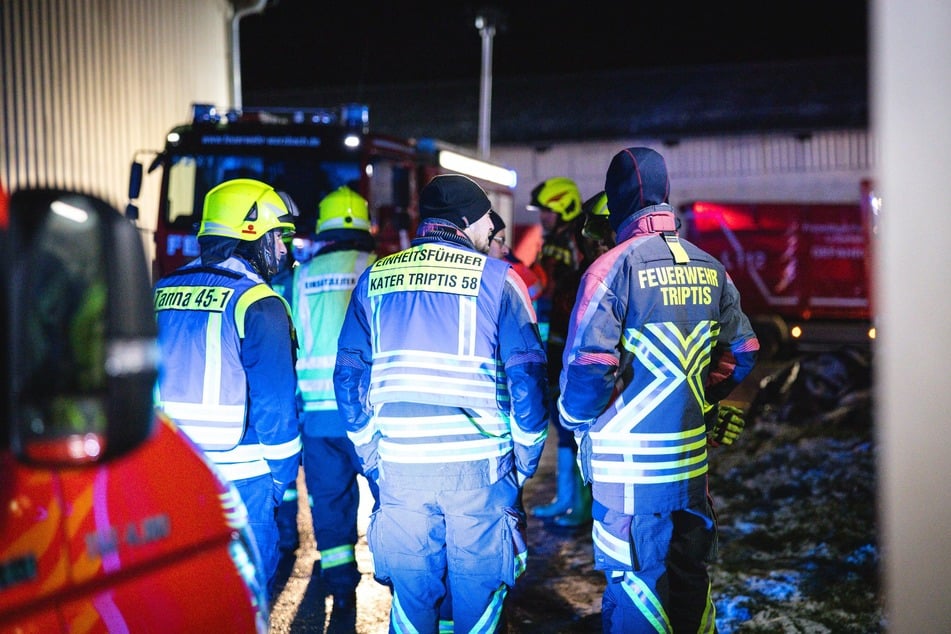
435	328
322	289
202	385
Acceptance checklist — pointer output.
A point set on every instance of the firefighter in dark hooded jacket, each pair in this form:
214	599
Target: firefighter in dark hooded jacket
637	390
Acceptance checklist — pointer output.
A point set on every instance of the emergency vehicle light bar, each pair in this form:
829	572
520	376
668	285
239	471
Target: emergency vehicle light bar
352	116
480	169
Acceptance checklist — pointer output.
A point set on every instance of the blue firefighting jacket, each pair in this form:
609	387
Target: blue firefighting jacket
227	368
440	363
633	388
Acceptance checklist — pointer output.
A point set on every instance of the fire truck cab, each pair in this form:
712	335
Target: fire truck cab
111	520
307	153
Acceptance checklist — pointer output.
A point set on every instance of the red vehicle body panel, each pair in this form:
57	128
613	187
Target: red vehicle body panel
799	262
4	220
112	547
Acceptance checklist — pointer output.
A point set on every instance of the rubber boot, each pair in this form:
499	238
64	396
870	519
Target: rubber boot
580	512
564	486
288	539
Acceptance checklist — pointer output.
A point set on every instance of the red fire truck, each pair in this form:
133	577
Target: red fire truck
307	153
111	520
803	269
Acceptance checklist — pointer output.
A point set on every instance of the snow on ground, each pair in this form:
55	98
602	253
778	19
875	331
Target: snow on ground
795	497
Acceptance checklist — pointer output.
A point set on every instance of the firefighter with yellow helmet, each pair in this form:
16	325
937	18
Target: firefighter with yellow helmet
323	282
228	344
597	231
561	262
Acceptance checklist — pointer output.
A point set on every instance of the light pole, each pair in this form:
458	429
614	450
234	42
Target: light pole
487	20
242	8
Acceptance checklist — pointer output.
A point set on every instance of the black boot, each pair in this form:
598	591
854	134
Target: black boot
343	618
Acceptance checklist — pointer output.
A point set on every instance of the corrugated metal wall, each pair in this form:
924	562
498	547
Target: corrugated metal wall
87	83
827	166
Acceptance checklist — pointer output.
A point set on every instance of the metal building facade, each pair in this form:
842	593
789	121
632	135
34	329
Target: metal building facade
85	84
825	166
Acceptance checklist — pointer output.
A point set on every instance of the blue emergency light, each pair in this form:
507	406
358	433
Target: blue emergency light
205	113
355	116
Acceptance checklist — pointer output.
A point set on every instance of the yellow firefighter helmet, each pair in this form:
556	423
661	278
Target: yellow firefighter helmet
559	195
246	209
597	205
596	224
343	208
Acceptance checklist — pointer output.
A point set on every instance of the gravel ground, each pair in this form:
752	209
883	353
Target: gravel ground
796	502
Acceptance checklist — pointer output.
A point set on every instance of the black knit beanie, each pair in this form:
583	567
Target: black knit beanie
455	198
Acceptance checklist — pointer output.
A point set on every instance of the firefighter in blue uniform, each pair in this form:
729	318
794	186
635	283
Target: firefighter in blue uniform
639	395
441	378
323	281
228	345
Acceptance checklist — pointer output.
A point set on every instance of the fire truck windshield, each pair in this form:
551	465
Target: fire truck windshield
306	179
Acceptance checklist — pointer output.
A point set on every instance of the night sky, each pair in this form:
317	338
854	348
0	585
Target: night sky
297	44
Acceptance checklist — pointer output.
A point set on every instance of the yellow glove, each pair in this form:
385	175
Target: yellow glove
727	427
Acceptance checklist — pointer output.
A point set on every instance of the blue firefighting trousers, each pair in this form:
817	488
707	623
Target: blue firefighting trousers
258	496
331	468
667	587
470	540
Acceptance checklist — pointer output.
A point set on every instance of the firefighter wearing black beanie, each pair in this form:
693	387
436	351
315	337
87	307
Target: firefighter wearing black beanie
455	198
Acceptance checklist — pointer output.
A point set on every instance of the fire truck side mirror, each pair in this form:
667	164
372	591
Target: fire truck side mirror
135	188
82	334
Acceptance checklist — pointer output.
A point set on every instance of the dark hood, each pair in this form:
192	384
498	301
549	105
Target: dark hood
636	179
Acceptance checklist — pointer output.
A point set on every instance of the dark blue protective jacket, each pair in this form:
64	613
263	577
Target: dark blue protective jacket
634	387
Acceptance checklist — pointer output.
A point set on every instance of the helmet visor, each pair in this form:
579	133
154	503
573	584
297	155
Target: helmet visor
287	221
597	228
